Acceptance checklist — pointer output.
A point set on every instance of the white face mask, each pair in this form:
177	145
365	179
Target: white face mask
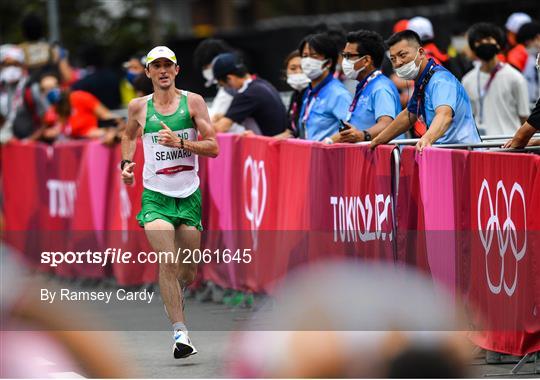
11	74
298	81
409	71
209	76
348	68
538	62
312	67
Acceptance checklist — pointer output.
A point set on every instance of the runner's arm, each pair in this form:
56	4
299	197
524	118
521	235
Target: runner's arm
129	137
208	145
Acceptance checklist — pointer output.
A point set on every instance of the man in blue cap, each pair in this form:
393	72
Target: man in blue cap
256	104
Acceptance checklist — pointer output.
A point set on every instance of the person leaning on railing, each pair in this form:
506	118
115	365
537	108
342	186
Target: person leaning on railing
527	130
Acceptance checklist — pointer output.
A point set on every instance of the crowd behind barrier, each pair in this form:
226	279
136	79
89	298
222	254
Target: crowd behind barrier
468	219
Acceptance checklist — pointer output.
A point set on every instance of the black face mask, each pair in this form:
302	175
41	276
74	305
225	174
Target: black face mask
486	51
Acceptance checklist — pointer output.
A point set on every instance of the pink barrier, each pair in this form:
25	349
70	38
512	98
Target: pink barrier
469	220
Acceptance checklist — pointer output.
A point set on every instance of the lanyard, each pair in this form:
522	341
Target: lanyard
292	115
359	89
430	69
311	97
482	92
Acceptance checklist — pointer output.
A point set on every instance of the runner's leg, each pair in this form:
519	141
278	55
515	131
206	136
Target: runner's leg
161	236
187	239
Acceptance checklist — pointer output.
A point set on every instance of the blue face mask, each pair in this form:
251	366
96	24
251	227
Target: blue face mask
53	96
130	76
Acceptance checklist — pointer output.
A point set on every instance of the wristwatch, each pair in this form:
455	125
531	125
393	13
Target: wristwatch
367	135
123	163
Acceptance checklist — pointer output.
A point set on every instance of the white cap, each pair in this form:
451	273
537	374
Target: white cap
422	26
160	52
516	20
11	51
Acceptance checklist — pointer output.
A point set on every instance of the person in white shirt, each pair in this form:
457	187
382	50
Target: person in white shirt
498	92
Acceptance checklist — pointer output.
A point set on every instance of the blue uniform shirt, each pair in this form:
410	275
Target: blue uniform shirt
444	89
323	107
380	97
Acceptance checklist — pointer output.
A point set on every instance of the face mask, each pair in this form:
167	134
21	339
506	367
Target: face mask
229	89
409	71
313	68
298	81
11	74
130	76
486	52
53	96
348	68
209	76
538	62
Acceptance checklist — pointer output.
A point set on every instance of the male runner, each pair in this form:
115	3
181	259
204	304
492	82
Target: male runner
171	200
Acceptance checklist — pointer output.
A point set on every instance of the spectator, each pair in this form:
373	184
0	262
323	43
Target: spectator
203	57
143	86
298	82
423	27
79	113
326	100
40	56
256	104
405	87
400	25
134	68
376	100
100	81
529	128
439	99
517	55
13	79
460	55
529	36
498	91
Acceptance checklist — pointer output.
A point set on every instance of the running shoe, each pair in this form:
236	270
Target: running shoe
182	345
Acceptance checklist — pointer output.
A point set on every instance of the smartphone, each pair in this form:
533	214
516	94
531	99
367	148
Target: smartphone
344	126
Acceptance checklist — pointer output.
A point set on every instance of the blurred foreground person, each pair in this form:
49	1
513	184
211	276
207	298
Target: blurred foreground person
368	320
63	338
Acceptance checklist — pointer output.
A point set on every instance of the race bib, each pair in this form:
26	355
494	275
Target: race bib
173	160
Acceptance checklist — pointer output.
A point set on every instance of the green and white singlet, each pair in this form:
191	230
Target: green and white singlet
169	171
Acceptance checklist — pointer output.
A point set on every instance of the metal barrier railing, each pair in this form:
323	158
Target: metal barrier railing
483	144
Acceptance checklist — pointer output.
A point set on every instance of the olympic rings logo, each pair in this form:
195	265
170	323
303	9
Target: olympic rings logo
504	229
255	200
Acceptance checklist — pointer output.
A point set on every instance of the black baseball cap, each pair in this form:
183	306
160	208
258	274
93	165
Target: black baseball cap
224	64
